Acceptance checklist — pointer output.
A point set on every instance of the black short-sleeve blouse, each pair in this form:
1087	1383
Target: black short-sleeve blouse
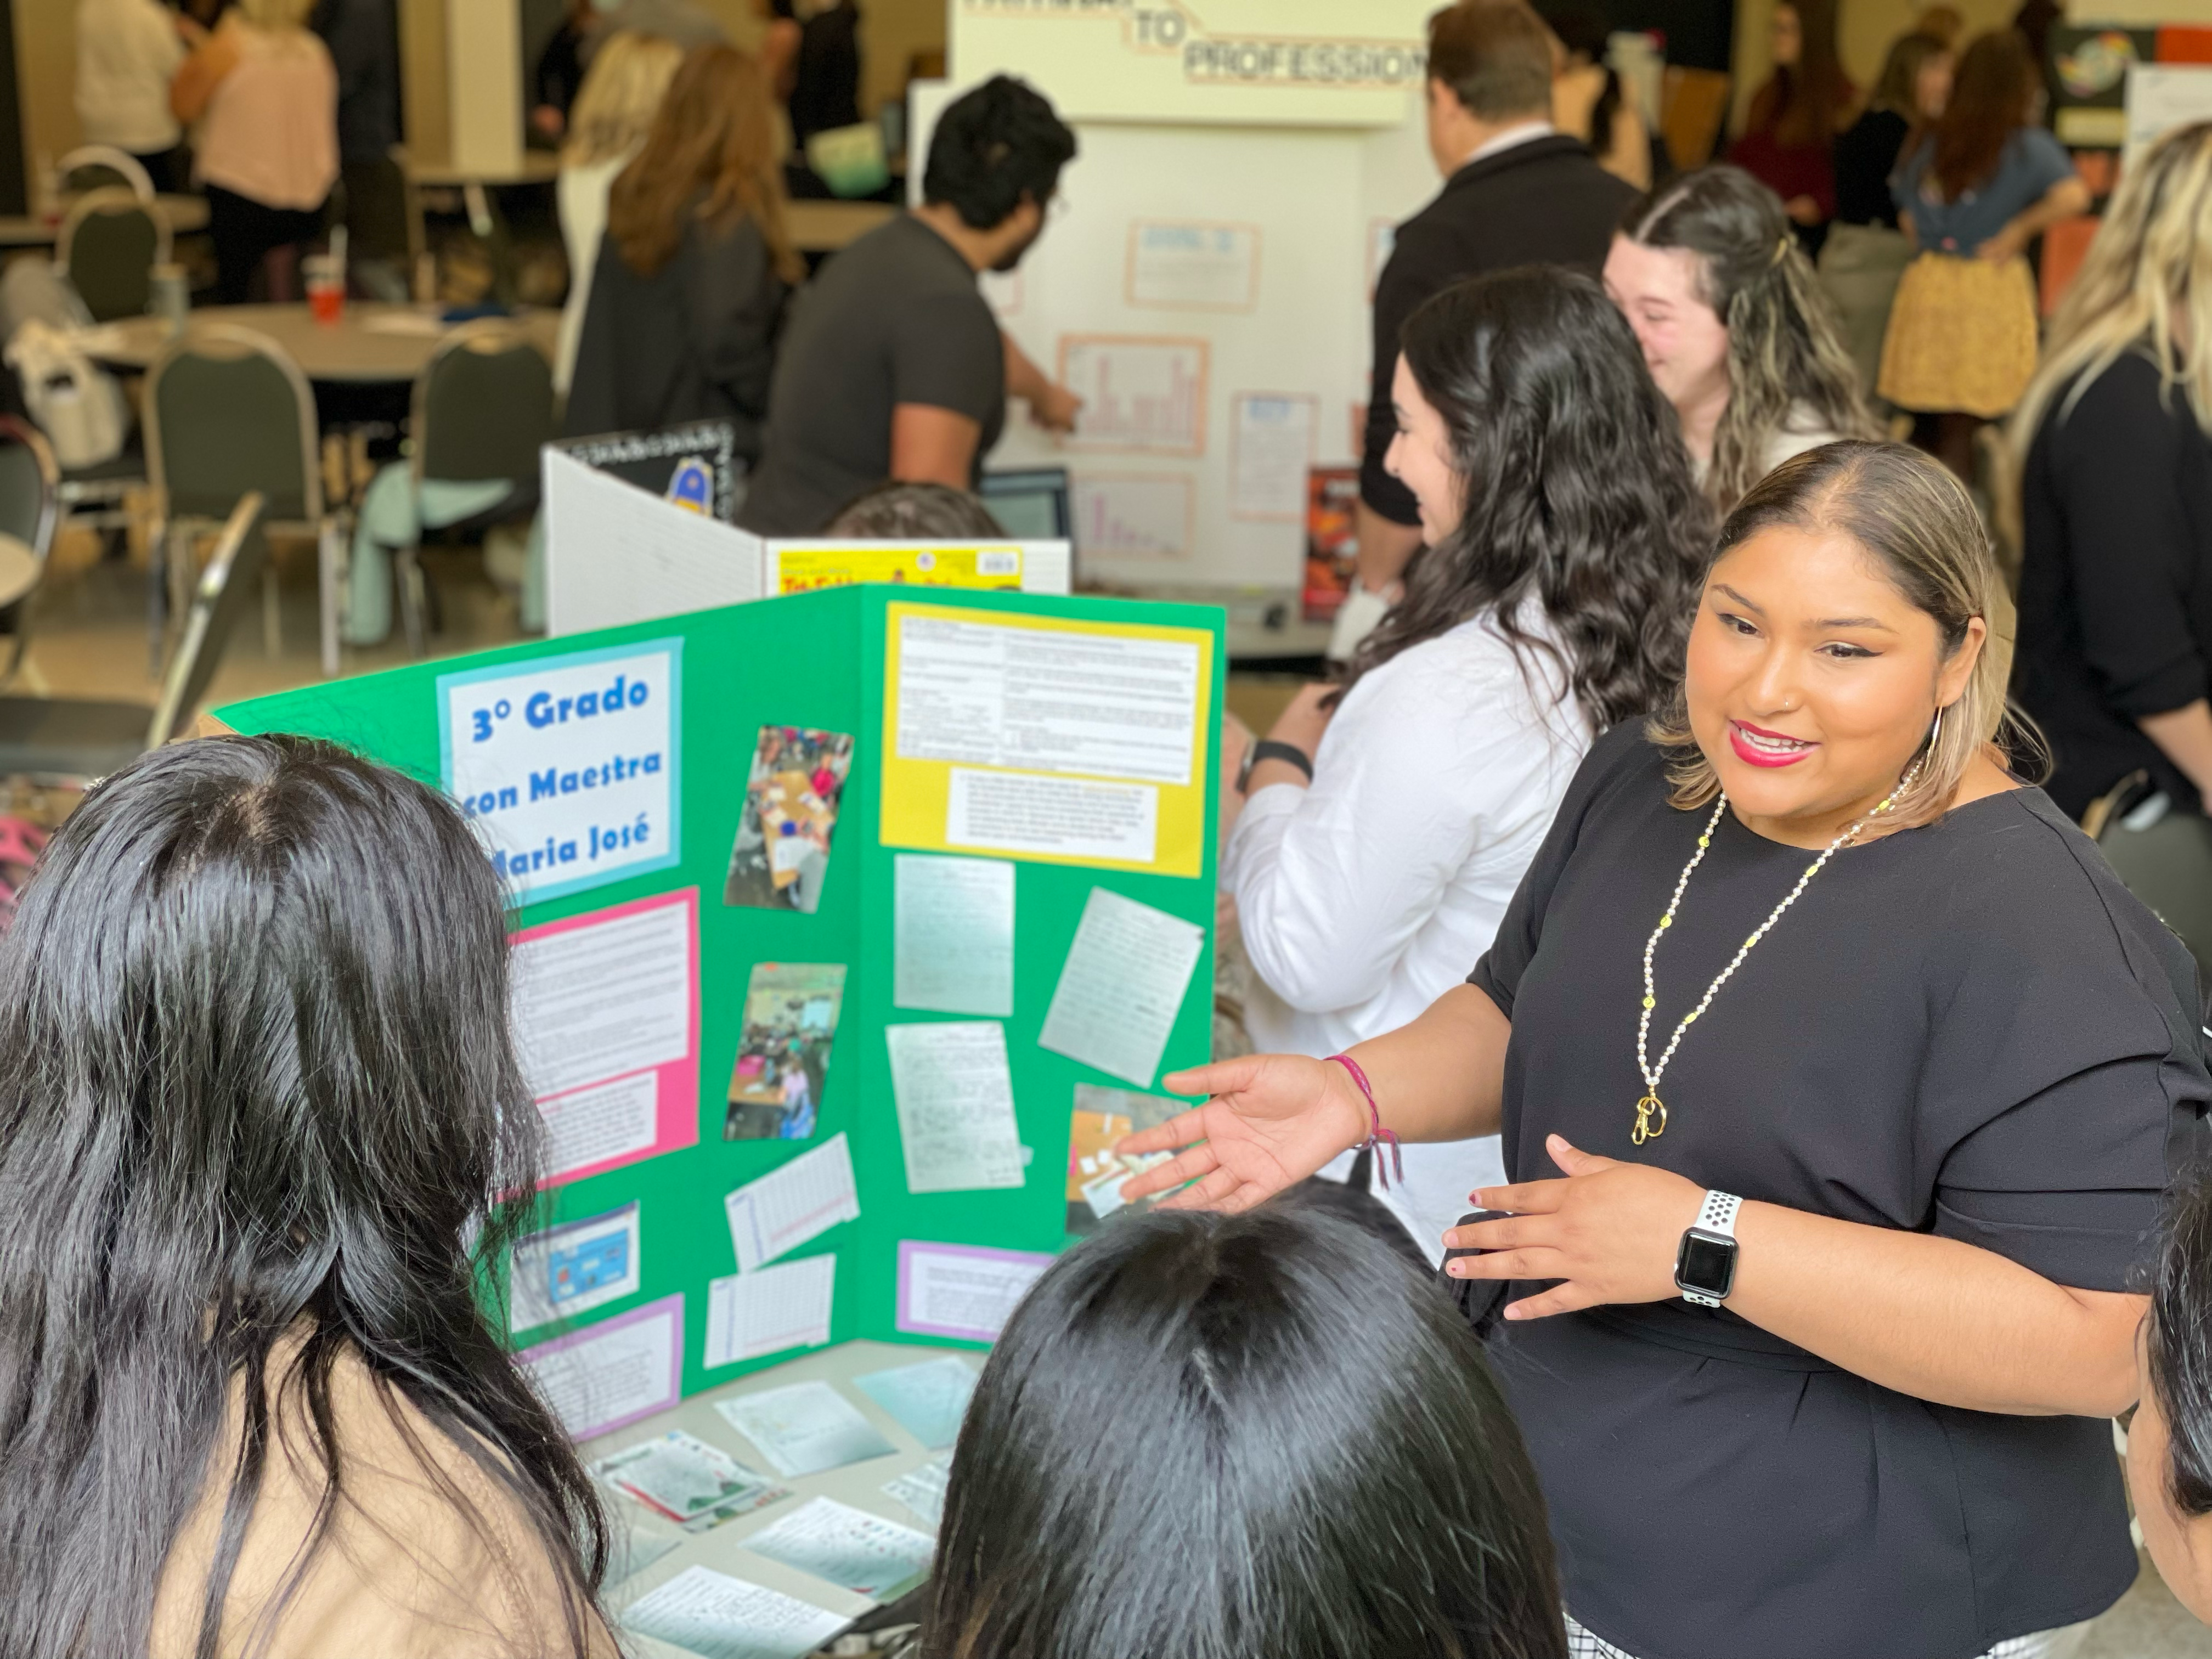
1970	1029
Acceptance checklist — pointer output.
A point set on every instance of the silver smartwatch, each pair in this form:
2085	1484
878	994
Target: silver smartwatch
1704	1265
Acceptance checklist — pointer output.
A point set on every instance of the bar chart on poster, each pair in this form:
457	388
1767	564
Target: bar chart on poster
1132	517
1140	396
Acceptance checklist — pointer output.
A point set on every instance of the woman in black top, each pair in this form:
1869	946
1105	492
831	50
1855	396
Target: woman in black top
2116	496
1916	80
1884	994
689	292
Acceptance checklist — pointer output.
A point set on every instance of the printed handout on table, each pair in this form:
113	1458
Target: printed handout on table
847	1547
783	1050
1140	394
572	1267
1271	446
1121	987
567	766
965	1292
1102	1118
952	935
752	1315
921	1489
782	850
1178	266
718	1617
784	1208
607	1024
956	1106
928	1399
1093	704
632	1550
609	1374
682	1479
1132	516
804	1428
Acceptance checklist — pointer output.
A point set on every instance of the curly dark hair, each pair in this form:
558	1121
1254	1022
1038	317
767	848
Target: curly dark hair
1577	489
994	148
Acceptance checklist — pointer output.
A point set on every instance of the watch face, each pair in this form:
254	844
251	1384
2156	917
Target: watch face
1707	1264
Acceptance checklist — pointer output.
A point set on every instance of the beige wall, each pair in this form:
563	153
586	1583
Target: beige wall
45	77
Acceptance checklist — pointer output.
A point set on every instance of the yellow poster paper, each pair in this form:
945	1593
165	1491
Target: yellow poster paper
803	569
1046	739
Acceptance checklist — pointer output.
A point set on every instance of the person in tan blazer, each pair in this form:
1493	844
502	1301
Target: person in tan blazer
258	1103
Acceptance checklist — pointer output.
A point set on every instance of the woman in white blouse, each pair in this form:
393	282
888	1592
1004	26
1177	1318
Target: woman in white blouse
1385	825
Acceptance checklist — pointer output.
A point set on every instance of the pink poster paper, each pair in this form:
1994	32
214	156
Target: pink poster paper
606	1019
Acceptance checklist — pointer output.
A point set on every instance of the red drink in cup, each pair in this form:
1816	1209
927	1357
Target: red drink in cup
325	279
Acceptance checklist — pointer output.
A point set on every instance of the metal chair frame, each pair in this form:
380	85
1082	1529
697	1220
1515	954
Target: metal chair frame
489	336
121	162
170	538
14	429
114	200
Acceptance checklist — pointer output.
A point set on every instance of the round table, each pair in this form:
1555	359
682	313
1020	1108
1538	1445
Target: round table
19	570
369	345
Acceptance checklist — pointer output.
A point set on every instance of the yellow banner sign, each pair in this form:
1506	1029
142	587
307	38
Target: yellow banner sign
803	569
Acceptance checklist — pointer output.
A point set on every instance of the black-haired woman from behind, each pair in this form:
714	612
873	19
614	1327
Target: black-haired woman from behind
1204	1436
2170	1439
257	1099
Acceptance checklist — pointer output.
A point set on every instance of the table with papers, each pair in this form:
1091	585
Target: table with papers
854	1522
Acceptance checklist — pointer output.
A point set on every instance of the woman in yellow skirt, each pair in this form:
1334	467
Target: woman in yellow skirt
1980	185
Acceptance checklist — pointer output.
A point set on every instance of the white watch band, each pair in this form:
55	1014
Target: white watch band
1718	1215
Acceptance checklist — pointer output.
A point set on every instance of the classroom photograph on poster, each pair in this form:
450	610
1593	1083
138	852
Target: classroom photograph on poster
783	1050
1096	1172
782	848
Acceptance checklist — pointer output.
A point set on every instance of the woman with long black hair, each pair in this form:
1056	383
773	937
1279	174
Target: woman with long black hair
262	1130
1310	1460
1389	820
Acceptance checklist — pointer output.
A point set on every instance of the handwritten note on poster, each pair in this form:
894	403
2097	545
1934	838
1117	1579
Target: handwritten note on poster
1121	987
567	766
956	1106
952	935
606	1022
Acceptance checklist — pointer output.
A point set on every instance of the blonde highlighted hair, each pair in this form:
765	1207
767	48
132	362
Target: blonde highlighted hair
620	94
1915	520
2145	284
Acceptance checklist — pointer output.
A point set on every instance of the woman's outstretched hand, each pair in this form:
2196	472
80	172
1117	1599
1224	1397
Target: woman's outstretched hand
1272	1120
1608	1232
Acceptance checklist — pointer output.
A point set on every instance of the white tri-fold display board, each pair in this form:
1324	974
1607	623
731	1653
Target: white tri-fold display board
1205	286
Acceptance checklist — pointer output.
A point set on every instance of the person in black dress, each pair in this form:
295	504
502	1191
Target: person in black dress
1915	82
2116	497
1831	1024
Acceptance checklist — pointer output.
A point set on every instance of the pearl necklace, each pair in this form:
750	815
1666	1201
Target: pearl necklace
1651	1111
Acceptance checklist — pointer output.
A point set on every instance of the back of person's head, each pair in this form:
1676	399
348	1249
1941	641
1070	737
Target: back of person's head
620	94
2146	284
1802	101
915	512
2173	1495
1494	56
1579	26
1785	347
995	147
1577	491
256	1087
1897	89
1992	96
1205	1436
709	157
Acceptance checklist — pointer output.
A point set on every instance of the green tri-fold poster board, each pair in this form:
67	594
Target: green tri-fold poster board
867	890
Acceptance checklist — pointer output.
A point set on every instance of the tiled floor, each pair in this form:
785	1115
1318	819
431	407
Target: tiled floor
2148	1624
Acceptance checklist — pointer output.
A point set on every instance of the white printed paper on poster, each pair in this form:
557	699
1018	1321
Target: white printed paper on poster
1121	987
1142	395
956	1106
965	1292
612	1373
715	1616
604	1000
612	1123
953	934
752	1315
574	1267
1119	516
567	766
1062	817
1270	450
1177	266
786	1207
980	695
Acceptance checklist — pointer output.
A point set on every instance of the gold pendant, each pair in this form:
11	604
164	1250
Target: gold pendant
1647	1109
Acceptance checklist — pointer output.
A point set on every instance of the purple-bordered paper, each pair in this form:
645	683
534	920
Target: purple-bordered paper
965	1292
609	1375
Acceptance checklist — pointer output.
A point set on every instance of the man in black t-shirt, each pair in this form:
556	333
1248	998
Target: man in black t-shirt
1516	193
892	365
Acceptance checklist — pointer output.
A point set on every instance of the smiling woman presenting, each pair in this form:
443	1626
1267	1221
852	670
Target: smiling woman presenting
1864	1077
